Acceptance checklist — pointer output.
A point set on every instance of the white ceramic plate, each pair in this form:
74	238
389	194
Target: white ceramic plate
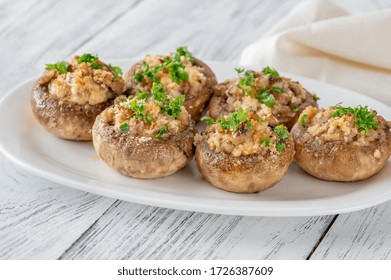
77	165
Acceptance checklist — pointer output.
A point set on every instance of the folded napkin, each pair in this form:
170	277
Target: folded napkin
320	40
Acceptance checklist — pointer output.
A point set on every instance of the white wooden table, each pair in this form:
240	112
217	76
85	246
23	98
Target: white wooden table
43	220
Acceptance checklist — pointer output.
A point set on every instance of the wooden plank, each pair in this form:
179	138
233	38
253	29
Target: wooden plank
364	234
39	32
130	231
40	219
213	30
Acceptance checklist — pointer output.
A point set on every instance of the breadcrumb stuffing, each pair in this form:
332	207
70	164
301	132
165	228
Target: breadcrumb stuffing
193	86
322	125
83	84
244	141
141	126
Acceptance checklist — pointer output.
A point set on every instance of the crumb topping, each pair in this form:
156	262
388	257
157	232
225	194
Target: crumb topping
330	125
266	93
83	82
243	133
176	72
143	116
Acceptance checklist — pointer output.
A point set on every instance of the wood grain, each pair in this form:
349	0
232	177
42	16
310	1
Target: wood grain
364	234
40	219
129	231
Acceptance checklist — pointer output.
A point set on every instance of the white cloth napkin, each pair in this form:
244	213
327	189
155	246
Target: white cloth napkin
320	40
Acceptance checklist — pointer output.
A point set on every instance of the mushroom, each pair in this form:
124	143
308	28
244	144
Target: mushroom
342	144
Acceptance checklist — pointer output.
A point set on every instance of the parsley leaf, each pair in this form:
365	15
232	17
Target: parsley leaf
137	108
303	120
173	108
246	82
138	77
117	72
234	120
209	120
158	92
177	71
124	127
148	118
281	131
60	66
93	60
270	72
265	141
266	98
141	95
365	119
294	108
276	89
162	131
183	51
280	147
315	97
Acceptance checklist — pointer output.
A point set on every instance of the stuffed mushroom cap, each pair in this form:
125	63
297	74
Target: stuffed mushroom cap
342	144
242	153
142	137
179	73
277	99
68	96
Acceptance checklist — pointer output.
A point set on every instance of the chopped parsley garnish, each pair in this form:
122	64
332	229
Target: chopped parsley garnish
148	118
276	89
266	98
303	120
265	141
137	108
315	97
124	127
294	108
93	60
209	120
365	119
246	81
281	131
158	92
142	95
117	72
162	131
183	51
234	120
280	147
177	70
139	77
173	108
173	64
60	66
270	72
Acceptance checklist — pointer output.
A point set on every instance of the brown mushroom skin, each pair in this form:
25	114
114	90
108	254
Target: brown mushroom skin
244	174
335	161
142	158
64	119
194	104
218	105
